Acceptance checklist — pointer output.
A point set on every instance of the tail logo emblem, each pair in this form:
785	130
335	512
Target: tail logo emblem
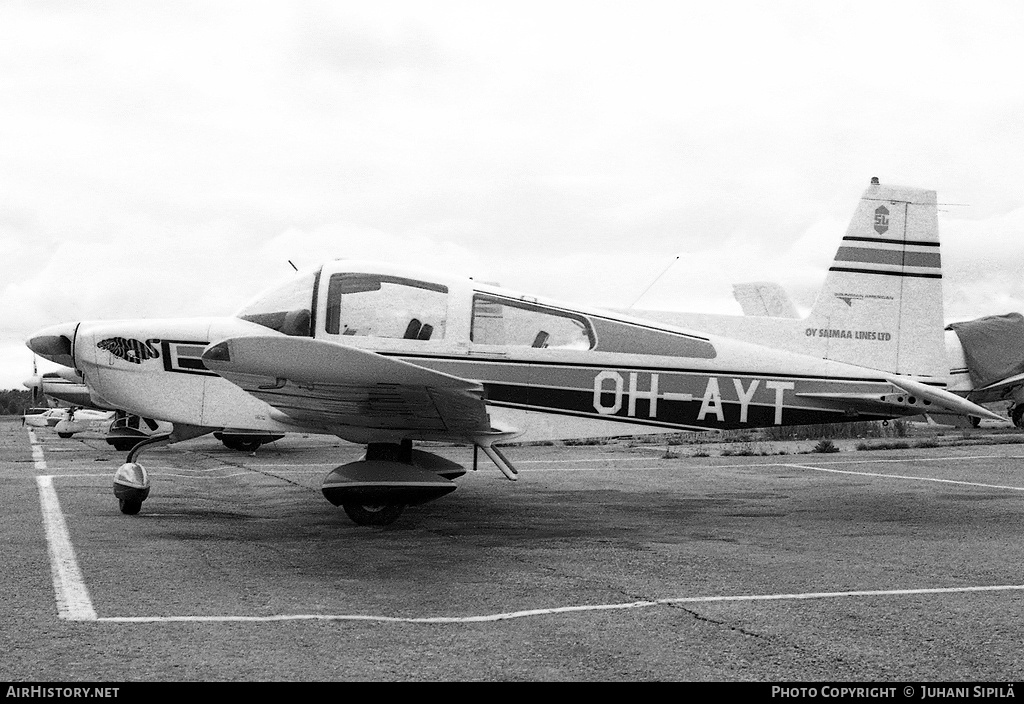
881	219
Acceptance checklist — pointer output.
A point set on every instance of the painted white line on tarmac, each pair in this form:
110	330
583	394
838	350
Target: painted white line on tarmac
73	602
37	451
507	616
901	476
920	459
607	458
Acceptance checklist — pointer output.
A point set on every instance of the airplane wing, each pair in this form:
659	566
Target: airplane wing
319	383
1002	384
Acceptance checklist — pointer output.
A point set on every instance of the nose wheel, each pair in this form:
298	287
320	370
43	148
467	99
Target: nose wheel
131	487
131	482
130	507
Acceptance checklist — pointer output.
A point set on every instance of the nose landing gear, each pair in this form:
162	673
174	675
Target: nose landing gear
131	482
131	487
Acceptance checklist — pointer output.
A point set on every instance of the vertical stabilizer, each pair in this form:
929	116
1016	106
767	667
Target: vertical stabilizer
881	306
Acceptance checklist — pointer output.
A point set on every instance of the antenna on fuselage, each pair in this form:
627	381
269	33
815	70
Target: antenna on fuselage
654	282
293	265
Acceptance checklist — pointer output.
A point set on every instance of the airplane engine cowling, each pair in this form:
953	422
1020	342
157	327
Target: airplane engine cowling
374	482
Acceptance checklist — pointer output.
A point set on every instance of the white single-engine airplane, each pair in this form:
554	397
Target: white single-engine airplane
387	356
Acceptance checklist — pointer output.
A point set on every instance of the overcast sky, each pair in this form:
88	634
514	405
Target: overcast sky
168	159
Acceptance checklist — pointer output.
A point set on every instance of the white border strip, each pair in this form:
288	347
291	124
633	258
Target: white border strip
73	602
902	476
559	609
37	451
69	590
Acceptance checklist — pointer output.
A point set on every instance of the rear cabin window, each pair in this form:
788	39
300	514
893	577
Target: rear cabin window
375	305
499	321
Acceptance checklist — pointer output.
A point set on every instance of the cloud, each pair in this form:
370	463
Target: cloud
167	161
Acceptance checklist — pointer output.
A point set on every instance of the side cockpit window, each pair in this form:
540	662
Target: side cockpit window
377	305
287	308
499	321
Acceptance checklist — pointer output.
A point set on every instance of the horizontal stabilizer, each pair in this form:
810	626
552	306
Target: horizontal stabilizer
941	397
764	299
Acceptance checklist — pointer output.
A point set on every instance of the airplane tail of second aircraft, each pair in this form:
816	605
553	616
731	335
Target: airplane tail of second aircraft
881	305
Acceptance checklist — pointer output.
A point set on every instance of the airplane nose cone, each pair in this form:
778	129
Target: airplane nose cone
55	343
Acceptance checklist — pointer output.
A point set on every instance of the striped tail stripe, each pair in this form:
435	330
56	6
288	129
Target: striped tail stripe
889	257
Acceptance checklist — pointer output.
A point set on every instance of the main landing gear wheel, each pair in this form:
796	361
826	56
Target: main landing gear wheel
373	514
1017	414
242	445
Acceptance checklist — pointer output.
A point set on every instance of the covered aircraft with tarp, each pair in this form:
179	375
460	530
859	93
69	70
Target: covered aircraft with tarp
990	364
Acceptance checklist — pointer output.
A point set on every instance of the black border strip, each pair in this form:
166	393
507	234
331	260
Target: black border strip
887	240
660	424
885	273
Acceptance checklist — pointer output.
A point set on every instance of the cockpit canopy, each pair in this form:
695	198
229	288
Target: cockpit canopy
360	304
355	300
378	305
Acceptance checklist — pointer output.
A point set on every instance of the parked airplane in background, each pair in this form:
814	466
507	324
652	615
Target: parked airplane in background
386	356
985	355
123	430
64	386
987	361
68	421
76	417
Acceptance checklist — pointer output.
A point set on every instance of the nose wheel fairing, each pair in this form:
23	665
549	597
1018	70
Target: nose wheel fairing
131	487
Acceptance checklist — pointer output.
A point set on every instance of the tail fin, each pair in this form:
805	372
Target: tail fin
881	306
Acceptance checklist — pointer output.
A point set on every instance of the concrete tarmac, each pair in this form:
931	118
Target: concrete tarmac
601	563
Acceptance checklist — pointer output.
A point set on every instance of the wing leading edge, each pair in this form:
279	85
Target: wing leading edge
359	394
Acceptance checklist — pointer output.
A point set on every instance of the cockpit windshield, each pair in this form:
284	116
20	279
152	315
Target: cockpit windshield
287	308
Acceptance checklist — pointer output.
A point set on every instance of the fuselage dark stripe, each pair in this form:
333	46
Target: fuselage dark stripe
686	414
598	367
